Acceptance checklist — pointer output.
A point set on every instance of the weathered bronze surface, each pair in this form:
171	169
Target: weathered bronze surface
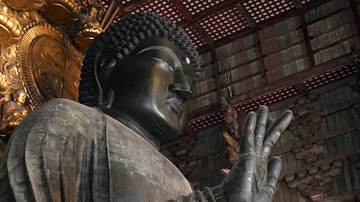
49	64
139	83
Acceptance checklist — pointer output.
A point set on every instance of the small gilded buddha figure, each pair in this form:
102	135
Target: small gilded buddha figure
89	18
13	112
87	27
136	80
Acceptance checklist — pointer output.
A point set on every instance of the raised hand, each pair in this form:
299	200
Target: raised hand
253	176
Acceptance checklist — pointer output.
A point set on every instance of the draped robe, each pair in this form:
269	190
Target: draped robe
66	151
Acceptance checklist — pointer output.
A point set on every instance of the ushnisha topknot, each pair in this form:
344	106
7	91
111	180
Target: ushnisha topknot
123	37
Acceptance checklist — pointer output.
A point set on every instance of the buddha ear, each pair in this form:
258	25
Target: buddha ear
104	65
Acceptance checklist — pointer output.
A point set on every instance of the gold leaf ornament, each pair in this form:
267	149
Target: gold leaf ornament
10	30
61	11
48	63
25	5
86	36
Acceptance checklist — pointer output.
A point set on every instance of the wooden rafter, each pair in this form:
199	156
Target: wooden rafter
246	15
188	17
291	80
203	34
180	6
130	5
307	38
107	15
261	59
216	73
208	12
297	4
261	25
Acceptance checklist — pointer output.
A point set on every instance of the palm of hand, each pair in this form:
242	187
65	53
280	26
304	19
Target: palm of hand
253	177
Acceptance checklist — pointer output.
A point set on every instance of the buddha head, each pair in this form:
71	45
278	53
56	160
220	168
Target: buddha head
143	67
20	96
92	11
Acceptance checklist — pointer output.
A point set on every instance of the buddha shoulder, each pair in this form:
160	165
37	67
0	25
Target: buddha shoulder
60	114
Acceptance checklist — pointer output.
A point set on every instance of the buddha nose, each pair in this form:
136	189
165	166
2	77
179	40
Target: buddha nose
182	91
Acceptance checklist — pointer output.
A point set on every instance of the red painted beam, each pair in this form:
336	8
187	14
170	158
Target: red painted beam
297	4
203	34
307	38
189	131
261	59
246	15
212	10
216	73
180	6
129	5
274	20
188	17
291	80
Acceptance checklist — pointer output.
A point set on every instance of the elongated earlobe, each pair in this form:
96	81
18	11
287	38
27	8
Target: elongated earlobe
104	65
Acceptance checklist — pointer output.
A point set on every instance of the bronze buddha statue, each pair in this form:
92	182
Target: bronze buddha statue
136	80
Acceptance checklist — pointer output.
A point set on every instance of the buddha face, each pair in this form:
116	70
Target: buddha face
93	12
20	96
153	87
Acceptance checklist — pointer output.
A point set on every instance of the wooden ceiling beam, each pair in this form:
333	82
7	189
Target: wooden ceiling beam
305	30
180	6
291	80
207	12
129	5
261	58
246	15
188	17
216	73
203	34
297	4
279	18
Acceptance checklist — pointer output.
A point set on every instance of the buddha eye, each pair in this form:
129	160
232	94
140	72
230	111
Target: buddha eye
164	64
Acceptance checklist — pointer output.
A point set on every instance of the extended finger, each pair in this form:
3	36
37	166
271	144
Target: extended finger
267	192
269	125
274	134
261	120
247	137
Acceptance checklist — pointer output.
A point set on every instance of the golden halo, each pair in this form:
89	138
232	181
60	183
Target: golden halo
10	30
48	63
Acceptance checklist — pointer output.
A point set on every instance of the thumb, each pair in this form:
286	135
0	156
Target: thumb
266	194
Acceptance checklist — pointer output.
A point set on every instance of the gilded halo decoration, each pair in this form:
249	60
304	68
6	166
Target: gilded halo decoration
48	63
86	36
10	29
25	5
61	11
